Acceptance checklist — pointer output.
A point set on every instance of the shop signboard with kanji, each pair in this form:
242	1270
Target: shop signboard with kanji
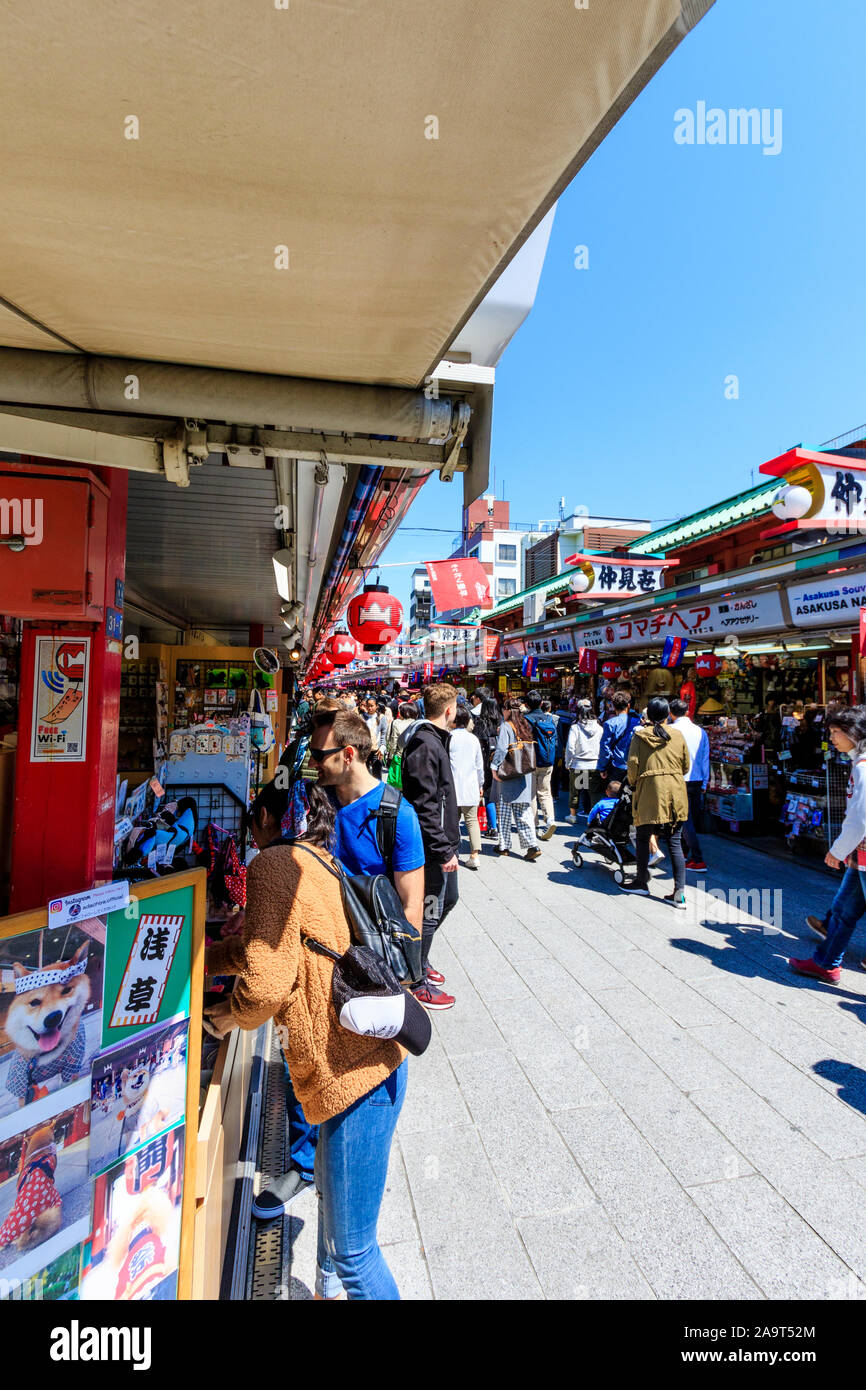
818	491
147	964
738	617
607	577
551	644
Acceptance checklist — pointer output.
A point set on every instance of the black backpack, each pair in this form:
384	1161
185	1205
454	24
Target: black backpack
376	917
386	825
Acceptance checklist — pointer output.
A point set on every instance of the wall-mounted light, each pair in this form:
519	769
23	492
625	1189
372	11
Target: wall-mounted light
283	573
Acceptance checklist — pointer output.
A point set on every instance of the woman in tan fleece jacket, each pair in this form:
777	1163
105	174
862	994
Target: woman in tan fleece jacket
351	1085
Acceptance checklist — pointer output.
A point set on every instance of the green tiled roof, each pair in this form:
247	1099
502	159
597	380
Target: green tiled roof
716	518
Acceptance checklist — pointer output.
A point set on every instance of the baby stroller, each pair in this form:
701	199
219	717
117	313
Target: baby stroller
608	830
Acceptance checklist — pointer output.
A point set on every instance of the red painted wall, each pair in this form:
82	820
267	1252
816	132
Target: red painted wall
63	828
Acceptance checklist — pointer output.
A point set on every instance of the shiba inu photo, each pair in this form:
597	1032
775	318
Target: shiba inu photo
144	1113
36	1211
44	1025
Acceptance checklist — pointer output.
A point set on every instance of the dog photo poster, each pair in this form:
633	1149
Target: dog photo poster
137	1090
50	1010
56	1283
45	1187
134	1247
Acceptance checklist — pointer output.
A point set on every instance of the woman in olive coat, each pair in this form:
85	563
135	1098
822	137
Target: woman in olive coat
658	760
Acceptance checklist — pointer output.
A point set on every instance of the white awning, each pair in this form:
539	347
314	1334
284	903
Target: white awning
310	128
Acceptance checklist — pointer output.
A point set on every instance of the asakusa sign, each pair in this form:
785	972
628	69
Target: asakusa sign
740	616
828	601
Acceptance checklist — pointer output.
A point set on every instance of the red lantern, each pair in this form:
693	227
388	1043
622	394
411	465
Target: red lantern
708	664
375	617
342	649
326	665
610	670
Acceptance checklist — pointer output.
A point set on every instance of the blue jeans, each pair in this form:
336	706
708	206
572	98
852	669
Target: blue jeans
302	1135
351	1168
491	815
845	912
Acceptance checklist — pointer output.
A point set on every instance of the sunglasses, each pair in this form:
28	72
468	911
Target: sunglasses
319	755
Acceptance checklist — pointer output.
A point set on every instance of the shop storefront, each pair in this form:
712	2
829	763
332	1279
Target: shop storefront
758	667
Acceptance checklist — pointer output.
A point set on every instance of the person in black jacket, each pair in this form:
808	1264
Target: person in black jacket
428	784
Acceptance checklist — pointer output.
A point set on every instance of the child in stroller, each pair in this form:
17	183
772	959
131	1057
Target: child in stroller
609	830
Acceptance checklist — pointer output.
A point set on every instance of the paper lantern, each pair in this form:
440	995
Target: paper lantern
375	617
342	649
610	670
326	665
579	582
707	665
791	502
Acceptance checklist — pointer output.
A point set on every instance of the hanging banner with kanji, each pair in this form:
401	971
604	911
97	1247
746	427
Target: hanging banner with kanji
147	964
146	973
459	584
611	578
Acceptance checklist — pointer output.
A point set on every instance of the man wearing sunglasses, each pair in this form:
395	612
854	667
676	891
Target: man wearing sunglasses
339	751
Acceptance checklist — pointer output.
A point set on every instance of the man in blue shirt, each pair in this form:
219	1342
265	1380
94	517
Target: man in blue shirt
697	778
339	749
616	737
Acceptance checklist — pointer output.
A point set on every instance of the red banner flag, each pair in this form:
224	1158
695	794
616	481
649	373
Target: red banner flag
459	584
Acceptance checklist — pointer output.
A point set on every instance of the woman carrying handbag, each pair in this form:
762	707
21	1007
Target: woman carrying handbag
351	1085
512	766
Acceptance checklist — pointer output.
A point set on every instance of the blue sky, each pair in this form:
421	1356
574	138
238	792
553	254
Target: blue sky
704	261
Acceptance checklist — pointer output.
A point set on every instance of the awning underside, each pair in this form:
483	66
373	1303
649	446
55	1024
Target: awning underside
305	128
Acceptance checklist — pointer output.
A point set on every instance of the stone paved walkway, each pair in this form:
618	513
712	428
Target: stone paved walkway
628	1101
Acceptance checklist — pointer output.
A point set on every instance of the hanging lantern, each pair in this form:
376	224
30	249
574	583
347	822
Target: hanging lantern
375	617
707	665
342	649
611	670
326	665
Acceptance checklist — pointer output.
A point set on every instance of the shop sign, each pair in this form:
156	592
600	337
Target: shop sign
737	616
59	725
827	495
551	645
608	578
512	647
828	601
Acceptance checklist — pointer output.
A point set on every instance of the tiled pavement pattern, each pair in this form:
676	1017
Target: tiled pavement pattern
628	1101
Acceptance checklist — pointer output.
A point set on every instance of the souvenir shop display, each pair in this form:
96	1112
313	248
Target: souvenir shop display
99	1129
205	689
804	811
738	782
143	721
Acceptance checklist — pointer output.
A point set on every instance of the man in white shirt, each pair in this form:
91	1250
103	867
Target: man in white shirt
697	778
467	767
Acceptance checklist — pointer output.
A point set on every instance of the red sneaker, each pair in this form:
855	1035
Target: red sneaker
434	977
432	998
696	865
816	971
